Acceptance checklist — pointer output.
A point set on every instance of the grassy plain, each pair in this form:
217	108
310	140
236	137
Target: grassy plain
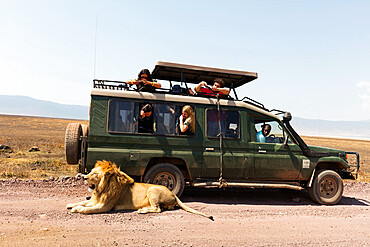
22	132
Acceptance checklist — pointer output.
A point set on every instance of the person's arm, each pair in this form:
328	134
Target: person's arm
133	82
222	90
152	83
197	88
183	127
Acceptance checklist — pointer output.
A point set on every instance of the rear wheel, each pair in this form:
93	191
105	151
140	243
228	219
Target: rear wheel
73	143
327	187
167	175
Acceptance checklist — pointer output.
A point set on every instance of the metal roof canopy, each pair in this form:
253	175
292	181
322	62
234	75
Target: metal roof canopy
195	74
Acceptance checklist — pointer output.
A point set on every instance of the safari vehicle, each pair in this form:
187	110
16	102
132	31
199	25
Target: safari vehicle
223	151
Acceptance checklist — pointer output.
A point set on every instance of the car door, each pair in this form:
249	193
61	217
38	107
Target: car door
274	160
234	160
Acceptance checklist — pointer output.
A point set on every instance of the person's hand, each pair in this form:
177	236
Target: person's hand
142	113
203	84
181	117
146	82
135	82
215	89
172	111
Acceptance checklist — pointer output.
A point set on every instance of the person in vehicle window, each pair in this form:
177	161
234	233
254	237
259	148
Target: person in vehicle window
187	121
217	88
144	82
263	133
145	120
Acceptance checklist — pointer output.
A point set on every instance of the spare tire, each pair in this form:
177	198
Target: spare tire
73	143
85	129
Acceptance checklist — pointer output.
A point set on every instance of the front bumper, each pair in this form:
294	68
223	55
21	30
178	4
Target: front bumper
357	165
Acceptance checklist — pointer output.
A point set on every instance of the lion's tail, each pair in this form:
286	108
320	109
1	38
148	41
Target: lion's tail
186	208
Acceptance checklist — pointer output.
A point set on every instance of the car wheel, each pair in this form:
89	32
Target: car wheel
73	143
167	175
327	187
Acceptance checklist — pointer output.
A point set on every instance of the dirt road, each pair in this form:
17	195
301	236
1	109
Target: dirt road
33	213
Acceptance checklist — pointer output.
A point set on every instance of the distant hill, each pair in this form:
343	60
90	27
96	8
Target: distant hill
343	129
23	105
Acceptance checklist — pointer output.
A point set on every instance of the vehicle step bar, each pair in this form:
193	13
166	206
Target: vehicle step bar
249	185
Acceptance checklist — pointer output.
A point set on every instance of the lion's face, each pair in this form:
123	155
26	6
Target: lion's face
94	177
105	175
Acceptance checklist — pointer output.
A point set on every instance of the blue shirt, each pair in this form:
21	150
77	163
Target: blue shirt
260	137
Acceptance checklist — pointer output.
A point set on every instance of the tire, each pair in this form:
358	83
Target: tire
167	175
327	188
73	143
85	129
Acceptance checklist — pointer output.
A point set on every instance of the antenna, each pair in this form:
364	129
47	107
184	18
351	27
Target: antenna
96	34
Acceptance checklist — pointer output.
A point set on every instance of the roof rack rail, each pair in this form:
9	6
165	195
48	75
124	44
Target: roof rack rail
253	102
278	112
108	84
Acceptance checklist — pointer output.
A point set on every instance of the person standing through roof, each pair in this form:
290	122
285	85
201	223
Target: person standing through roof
217	88
144	82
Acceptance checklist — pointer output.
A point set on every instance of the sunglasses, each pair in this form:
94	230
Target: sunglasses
144	76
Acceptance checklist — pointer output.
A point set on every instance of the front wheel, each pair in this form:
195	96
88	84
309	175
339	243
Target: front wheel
327	187
167	175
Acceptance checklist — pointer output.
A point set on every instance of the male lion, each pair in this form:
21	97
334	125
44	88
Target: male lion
114	189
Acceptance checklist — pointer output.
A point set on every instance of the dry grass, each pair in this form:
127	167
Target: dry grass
360	146
21	133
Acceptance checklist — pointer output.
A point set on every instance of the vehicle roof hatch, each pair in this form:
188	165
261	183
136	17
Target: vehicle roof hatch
195	74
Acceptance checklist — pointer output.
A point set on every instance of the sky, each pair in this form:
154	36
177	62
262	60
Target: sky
312	57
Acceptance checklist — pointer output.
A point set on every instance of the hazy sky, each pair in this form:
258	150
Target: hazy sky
312	57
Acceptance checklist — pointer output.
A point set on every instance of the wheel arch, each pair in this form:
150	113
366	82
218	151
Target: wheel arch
334	166
178	162
326	165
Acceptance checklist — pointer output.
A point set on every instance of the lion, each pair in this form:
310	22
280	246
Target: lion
113	189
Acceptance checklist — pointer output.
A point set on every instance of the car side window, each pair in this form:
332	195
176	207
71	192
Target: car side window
165	119
229	123
122	116
134	117
269	132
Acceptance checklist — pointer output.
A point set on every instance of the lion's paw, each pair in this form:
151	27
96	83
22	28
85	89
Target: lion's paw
142	211
77	209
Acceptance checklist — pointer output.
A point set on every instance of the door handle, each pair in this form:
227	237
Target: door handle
210	149
262	151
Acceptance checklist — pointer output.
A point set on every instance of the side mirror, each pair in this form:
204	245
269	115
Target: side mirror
287	117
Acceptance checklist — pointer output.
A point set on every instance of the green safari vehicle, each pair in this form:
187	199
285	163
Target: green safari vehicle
223	149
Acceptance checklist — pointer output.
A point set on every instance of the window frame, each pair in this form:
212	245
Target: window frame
225	138
153	103
284	130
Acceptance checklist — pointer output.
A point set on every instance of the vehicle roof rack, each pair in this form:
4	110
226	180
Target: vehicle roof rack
108	84
191	74
121	85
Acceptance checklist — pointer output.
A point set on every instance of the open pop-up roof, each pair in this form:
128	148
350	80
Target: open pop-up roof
195	74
